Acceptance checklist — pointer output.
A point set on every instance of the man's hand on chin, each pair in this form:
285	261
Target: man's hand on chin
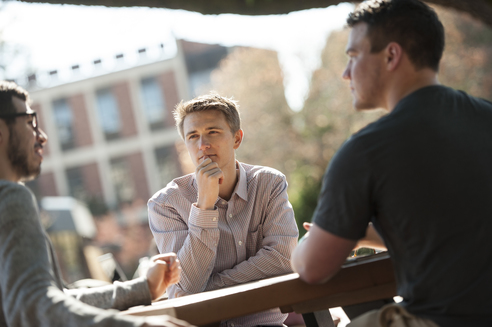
208	177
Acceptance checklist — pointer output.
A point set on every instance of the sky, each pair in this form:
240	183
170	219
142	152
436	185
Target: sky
44	37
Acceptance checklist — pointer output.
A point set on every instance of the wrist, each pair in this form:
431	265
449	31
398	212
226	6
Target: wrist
205	204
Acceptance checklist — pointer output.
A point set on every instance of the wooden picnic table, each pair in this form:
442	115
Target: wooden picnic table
360	280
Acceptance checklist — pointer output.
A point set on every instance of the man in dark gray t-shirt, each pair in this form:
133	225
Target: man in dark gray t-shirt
31	289
422	174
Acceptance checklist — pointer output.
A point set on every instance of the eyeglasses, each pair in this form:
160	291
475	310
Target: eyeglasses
33	115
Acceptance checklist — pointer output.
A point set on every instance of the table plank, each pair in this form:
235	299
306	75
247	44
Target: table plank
357	282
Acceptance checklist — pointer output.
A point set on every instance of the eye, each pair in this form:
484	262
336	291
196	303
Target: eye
192	136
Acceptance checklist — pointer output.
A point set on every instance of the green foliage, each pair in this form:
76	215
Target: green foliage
305	202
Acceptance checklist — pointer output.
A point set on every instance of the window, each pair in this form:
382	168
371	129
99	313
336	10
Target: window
166	165
200	82
122	181
75	181
109	115
64	123
153	103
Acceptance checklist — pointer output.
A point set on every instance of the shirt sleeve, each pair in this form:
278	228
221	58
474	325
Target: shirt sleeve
280	234
345	204
194	243
30	295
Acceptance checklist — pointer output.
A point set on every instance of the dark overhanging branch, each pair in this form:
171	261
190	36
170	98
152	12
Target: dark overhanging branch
480	9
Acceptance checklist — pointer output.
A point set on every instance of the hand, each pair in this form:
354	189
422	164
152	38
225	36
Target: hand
165	321
164	270
208	178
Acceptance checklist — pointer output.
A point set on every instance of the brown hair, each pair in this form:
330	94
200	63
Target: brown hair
211	101
410	23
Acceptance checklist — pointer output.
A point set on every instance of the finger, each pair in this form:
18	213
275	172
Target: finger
307	226
169	257
206	161
212	171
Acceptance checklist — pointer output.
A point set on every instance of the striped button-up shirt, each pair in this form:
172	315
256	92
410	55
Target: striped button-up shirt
247	238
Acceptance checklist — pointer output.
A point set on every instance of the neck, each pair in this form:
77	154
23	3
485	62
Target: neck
408	82
229	182
6	173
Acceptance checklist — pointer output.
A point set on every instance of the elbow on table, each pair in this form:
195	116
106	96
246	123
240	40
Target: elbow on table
315	275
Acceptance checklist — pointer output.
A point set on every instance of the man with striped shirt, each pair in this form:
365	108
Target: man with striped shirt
229	222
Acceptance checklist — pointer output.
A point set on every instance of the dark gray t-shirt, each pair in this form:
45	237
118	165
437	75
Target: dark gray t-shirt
423	175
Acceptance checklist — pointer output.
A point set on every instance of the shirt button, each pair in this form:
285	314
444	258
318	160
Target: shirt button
240	242
230	215
214	219
224	202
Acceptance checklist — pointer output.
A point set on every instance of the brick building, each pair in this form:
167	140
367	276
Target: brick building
112	142
112	138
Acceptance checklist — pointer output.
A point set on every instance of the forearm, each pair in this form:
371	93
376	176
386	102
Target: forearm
195	245
320	256
271	260
120	295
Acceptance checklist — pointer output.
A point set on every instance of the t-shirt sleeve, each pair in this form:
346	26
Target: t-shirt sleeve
344	204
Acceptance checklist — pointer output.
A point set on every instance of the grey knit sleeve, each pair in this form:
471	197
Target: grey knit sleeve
120	295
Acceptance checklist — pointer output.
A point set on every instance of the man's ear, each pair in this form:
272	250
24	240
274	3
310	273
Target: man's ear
238	138
394	53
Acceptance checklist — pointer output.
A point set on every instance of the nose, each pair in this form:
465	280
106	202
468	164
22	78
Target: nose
41	136
346	72
204	143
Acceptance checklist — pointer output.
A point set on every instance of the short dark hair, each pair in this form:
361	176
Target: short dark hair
410	23
212	101
7	91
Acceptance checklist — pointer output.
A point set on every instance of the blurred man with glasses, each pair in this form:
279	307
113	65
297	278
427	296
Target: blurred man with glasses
31	289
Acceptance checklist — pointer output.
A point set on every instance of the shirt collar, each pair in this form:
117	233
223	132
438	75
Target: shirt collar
242	183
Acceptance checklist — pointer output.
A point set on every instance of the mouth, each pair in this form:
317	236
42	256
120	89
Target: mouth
38	150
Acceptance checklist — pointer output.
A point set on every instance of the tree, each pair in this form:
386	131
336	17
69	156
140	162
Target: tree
302	144
254	78
467	59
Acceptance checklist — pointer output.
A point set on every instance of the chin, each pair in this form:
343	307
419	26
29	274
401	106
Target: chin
32	174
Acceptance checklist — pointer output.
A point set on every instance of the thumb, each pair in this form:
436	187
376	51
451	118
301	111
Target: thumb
307	225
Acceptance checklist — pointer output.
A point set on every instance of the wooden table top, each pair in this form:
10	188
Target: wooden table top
361	280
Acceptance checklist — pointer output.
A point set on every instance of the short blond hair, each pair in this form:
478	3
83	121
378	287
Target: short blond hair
212	101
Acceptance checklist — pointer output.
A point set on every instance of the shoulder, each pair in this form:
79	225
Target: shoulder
264	180
15	193
261	173
178	188
16	201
